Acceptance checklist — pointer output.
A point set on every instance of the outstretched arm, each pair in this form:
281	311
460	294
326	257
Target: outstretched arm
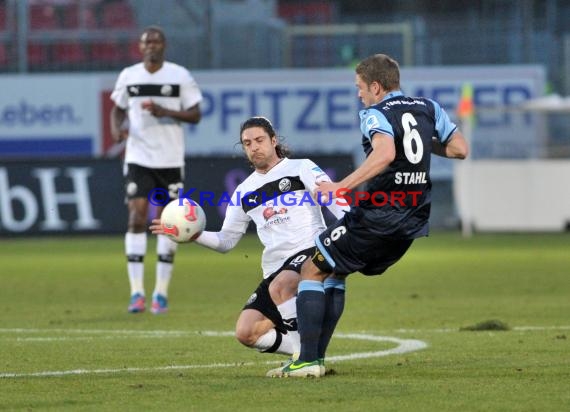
383	153
222	241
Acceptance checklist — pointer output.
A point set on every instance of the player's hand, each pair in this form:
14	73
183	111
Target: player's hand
326	191
156	227
120	135
155	109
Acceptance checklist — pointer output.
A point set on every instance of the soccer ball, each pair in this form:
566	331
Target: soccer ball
183	220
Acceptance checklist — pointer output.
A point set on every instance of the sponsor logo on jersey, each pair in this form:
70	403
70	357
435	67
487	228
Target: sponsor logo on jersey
372	122
166	90
284	185
253	199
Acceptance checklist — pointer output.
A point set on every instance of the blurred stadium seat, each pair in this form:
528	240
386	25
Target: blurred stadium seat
38	54
69	54
107	52
43	17
117	15
74	17
83	47
318	12
133	52
2	16
4	60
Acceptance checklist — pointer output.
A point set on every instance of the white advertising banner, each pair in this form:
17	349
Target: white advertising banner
314	110
49	115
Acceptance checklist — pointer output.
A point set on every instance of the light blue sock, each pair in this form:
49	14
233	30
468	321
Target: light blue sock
310	313
334	306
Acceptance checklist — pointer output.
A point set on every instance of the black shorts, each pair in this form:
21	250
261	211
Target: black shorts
142	181
261	301
348	246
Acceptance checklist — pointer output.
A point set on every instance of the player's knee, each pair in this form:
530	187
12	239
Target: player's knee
137	222
137	228
245	336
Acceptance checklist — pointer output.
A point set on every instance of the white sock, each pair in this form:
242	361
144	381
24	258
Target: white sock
135	246
288	345
288	311
266	341
165	249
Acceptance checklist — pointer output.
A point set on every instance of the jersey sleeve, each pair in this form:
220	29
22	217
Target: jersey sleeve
120	95
236	219
190	93
222	241
310	174
234	227
444	127
372	121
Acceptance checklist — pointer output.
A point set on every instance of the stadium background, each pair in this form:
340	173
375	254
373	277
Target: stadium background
291	61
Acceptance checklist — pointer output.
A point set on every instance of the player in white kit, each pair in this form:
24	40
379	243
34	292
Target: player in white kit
152	100
277	198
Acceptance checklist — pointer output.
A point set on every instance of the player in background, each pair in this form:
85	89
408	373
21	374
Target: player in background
399	134
152	100
277	198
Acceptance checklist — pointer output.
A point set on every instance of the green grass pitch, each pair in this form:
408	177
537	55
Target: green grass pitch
67	343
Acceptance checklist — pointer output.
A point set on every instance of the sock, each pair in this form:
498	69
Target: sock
275	342
288	311
165	249
135	249
310	315
334	306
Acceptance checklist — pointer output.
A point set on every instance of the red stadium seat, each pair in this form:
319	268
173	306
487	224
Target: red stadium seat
2	16
107	52
316	12
43	17
118	15
133	52
75	17
69	53
38	54
4	58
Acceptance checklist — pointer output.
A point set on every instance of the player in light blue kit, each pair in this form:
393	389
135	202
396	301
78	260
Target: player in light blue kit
399	134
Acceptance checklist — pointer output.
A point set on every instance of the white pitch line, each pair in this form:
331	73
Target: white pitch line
183	333
403	346
111	371
118	331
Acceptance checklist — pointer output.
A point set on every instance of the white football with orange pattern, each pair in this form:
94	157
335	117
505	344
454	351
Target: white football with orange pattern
183	220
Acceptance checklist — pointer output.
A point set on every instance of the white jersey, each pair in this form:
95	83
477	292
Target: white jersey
155	142
280	204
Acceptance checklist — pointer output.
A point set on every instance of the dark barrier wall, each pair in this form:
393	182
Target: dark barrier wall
87	196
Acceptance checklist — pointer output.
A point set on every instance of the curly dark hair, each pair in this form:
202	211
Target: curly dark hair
260	121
